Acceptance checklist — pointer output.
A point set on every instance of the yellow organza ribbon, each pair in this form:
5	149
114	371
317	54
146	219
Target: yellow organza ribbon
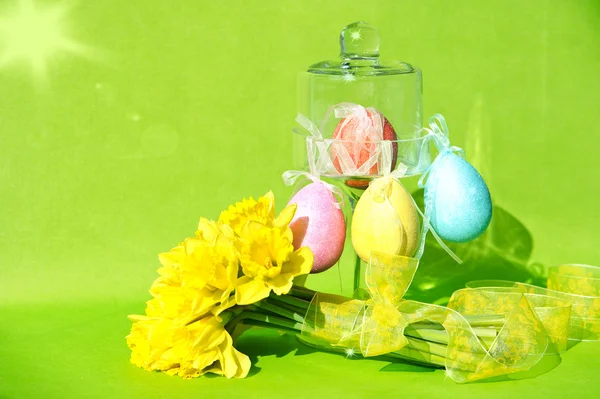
578	285
531	321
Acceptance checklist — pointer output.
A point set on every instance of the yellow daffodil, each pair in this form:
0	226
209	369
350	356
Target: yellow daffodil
269	262
186	350
261	210
209	231
196	277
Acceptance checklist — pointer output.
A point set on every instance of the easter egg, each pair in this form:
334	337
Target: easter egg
357	138
461	207
360	184
385	220
319	225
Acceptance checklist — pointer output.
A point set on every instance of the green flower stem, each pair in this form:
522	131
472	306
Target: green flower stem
427	346
427	341
428	349
281	311
415	356
247	317
485	320
357	272
233	323
293	301
301	296
258	323
227	316
302	293
298	313
433	335
441	335
426	325
486	332
427	331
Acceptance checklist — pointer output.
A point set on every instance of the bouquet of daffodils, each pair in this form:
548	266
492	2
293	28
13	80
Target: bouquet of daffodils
212	284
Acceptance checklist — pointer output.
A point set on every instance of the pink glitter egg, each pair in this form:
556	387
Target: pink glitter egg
319	225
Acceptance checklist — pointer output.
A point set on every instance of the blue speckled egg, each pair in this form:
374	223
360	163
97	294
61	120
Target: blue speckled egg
461	207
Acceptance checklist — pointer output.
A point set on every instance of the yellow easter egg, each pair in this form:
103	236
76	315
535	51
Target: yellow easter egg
385	220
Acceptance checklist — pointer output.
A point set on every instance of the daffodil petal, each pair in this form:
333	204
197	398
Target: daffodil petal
287	233
281	284
286	216
233	363
208	332
205	300
225	304
137	317
207	230
300	262
232	271
191	244
250	227
167	274
167	259
250	290
201	363
271	200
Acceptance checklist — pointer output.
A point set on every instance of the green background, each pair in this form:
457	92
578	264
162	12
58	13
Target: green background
177	109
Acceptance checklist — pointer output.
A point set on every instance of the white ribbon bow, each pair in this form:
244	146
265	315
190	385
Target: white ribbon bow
291	176
440	135
369	133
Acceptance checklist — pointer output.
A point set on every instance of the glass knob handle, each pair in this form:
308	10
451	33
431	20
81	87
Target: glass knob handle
359	40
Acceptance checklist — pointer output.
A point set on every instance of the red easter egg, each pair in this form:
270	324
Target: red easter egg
360	184
347	130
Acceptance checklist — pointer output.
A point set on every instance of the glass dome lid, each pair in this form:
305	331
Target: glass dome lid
359	55
351	108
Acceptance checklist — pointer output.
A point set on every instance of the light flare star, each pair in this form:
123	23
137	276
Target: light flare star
355	35
350	352
33	35
348	77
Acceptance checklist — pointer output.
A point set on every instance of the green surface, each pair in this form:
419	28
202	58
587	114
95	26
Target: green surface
77	351
165	111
